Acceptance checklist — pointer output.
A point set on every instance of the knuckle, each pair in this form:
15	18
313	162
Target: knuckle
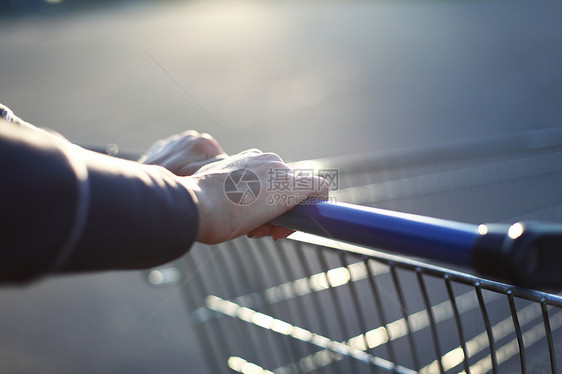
203	145
188	133
271	157
280	165
278	169
172	138
187	137
253	151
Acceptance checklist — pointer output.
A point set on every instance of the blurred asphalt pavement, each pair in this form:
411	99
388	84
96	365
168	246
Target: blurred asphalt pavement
303	79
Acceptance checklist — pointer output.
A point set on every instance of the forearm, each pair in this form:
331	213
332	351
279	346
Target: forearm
139	216
66	209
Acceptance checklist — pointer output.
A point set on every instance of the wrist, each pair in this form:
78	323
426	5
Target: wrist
203	207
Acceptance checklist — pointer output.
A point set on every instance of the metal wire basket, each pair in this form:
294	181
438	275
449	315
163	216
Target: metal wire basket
311	304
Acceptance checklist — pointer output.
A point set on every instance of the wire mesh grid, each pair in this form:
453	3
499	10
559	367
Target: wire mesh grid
299	307
316	305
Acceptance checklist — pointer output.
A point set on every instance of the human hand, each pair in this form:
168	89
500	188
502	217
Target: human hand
185	153
222	219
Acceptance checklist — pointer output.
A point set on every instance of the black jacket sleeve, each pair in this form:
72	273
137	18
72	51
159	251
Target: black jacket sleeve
65	209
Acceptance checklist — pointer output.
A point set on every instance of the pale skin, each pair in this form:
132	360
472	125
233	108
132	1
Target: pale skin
203	168
183	154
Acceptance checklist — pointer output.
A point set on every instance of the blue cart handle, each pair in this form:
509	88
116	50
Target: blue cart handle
524	254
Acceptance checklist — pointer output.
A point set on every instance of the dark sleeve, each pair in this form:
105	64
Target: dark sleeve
64	209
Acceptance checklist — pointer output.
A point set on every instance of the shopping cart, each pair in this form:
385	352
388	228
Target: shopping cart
314	304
